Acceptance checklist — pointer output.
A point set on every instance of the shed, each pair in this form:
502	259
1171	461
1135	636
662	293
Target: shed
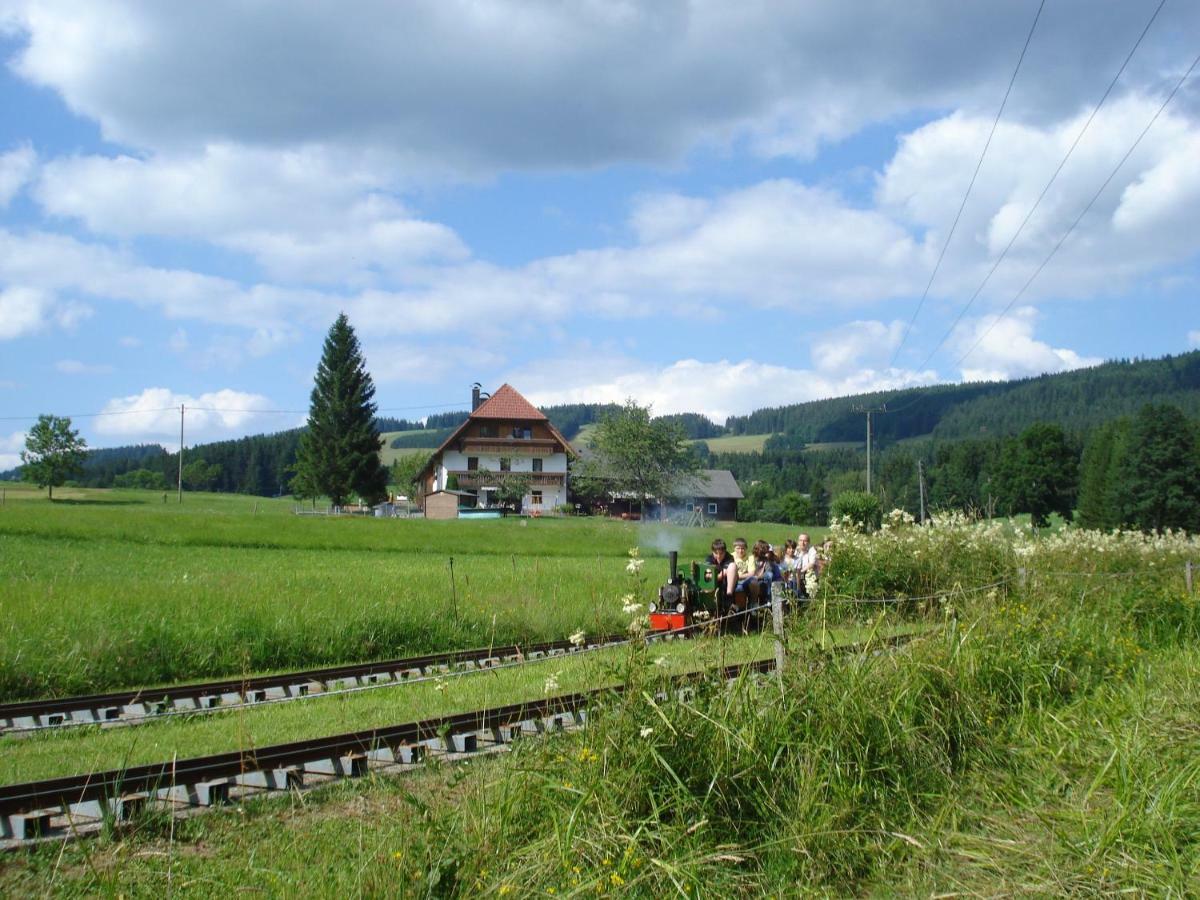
444	504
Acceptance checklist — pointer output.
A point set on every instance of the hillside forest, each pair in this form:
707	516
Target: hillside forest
1116	444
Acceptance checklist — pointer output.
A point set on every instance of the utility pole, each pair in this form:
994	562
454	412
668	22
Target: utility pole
921	487
180	452
881	409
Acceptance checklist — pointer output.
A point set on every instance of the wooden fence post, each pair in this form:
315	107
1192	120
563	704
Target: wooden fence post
777	626
1187	575
1022	577
453	593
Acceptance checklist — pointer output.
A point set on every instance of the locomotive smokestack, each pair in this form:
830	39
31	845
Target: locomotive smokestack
674	557
475	396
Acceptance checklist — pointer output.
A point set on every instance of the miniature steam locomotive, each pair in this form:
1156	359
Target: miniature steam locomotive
682	597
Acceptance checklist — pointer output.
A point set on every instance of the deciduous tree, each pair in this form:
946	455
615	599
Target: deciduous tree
339	452
53	452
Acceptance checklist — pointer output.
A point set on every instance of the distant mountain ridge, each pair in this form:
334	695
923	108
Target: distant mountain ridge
1079	401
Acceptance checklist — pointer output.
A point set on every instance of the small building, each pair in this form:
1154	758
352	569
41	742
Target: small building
445	504
505	437
714	492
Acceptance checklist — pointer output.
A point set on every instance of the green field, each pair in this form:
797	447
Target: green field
1039	739
390	454
737	443
107	589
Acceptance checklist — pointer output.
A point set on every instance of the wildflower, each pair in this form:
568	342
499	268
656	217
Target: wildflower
630	606
616	880
587	755
398	855
660	661
505	889
646	732
578	638
634	566
551	684
439	685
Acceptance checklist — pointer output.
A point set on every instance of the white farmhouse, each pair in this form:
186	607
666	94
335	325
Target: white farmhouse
505	435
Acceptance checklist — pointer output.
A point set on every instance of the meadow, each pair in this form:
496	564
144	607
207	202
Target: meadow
109	589
1039	740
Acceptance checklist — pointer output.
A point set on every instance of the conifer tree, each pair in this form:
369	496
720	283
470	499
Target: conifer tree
339	452
1163	470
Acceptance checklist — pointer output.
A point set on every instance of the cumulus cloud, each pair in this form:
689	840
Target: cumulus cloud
75	367
10	450
1193	338
503	84
717	389
153	415
16	168
1003	348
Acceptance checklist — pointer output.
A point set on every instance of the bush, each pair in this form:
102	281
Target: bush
861	508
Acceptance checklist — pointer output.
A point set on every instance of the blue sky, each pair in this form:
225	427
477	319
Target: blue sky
704	206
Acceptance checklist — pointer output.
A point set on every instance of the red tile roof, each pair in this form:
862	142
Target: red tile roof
506	403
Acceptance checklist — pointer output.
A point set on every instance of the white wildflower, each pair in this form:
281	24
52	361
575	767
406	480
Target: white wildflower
646	732
577	638
661	662
634	567
551	684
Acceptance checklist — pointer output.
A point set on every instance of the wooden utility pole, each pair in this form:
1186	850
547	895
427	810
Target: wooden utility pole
882	408
180	452
921	488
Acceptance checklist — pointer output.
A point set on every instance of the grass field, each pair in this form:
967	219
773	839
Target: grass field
390	454
1040	741
737	443
104	589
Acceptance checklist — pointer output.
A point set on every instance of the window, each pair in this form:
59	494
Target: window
522	433
537	464
689	506
472	463
712	509
535	498
486	431
505	464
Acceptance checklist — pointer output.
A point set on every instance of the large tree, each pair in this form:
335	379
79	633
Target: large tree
636	454
53	452
339	452
1038	473
1163	470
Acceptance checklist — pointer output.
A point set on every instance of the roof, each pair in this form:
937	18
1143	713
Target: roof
717	484
506	403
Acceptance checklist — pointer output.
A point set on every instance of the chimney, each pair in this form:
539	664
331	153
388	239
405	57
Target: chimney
475	396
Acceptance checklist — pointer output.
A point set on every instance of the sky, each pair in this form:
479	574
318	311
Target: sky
703	206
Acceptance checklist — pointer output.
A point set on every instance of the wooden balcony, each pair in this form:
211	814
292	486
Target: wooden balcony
509	446
468	479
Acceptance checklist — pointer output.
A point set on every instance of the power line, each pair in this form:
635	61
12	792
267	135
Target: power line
1029	215
1083	213
975	174
222	409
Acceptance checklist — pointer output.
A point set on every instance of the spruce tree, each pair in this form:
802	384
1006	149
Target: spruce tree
1163	479
339	452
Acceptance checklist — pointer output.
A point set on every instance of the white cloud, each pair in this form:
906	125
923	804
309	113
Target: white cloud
1005	348
504	84
716	389
842	349
178	341
1193	338
16	168
153	415
75	367
10	450
23	311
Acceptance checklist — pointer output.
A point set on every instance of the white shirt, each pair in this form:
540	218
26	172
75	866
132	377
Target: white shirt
806	560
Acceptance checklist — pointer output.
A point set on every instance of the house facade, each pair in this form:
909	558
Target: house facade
505	437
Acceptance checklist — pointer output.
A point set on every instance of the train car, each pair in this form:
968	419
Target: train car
683	596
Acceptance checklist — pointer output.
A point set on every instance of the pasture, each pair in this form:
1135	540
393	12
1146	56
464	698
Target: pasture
736	443
107	589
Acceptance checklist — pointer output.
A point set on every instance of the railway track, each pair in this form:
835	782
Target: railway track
79	804
146	704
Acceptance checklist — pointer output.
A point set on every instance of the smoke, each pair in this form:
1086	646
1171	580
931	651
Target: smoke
659	538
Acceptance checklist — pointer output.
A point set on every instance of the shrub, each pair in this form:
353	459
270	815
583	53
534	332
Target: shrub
861	508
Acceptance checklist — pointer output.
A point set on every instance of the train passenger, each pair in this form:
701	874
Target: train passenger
765	571
742	559
726	569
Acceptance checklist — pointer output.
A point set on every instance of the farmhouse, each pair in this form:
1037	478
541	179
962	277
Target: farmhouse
505	438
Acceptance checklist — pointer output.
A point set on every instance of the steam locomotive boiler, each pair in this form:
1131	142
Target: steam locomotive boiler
684	596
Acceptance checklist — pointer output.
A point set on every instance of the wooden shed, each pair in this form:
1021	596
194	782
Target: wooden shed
444	504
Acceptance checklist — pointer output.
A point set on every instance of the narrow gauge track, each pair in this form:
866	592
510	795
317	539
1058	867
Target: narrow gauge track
145	704
73	805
